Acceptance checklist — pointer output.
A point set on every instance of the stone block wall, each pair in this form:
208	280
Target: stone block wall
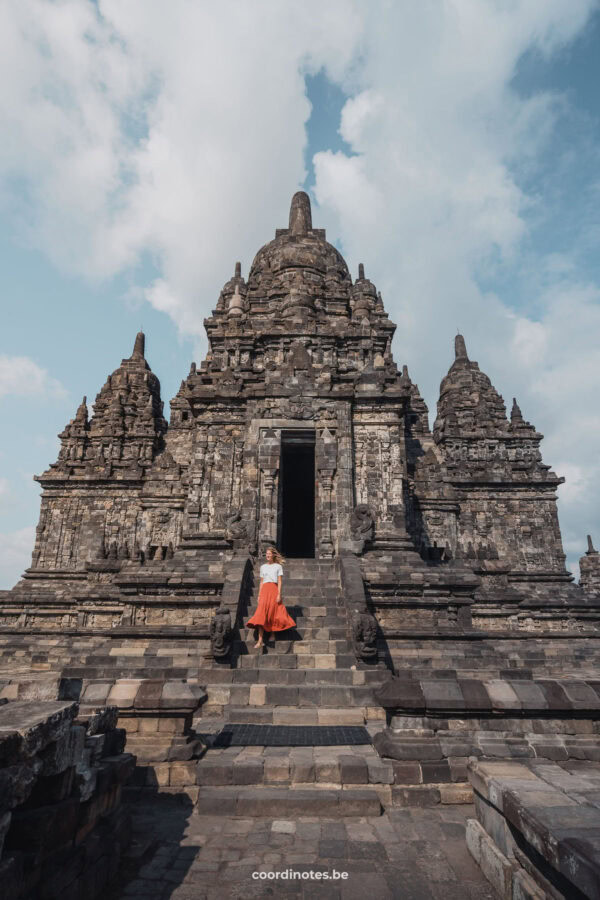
63	829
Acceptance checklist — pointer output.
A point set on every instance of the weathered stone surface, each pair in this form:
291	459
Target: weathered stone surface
433	553
142	523
60	796
35	725
553	827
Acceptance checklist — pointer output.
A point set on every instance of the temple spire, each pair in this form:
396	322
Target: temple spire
516	416
405	381
238	270
361	272
590	548
140	345
460	348
82	412
300	214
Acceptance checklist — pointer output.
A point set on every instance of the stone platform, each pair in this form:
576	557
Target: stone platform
417	854
537	832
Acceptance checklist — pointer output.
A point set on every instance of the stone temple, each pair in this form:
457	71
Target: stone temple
438	630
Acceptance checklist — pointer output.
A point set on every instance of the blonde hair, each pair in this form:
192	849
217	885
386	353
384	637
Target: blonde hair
277	557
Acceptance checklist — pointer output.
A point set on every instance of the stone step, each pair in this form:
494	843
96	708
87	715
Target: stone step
296	645
325	696
293	715
250	676
303	631
309	615
346	765
284	802
115	671
307	595
256	659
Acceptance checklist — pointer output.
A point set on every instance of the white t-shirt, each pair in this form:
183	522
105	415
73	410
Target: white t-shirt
270	572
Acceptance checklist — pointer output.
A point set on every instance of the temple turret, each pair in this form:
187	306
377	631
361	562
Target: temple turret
81	416
126	428
469	405
74	436
589	567
496	470
518	425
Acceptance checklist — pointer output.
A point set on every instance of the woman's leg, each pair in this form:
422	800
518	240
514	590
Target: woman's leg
261	634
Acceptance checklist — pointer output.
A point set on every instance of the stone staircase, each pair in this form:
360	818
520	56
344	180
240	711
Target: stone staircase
306	676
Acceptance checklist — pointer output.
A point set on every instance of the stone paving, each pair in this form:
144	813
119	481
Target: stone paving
406	853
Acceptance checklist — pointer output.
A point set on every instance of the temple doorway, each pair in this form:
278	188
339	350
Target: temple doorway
297	495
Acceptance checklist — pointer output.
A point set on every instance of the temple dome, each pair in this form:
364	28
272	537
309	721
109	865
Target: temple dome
299	257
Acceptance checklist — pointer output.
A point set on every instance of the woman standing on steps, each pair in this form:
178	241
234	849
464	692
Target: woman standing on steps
271	614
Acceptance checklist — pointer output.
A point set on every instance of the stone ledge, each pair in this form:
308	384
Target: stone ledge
541	813
493	696
26	728
426	747
267	801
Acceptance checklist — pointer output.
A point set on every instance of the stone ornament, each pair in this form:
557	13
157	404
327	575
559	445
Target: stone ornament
364	634
362	527
221	633
235	528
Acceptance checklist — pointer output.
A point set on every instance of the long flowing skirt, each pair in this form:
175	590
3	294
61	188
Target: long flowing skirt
273	616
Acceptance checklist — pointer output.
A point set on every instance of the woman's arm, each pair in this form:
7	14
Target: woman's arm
279	580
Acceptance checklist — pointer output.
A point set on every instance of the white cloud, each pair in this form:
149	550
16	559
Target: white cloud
171	129
22	377
17	547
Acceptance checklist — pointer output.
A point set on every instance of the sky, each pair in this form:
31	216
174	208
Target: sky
452	146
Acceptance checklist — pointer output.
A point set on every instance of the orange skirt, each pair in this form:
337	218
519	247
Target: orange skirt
273	616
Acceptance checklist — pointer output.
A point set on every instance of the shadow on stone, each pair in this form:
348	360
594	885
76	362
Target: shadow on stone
158	861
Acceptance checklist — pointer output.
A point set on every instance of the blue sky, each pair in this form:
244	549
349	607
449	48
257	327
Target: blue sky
453	148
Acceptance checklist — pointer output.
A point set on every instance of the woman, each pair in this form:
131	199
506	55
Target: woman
271	614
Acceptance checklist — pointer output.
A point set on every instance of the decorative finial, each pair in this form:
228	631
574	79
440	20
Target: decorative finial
361	272
193	368
515	414
460	348
300	213
590	548
405	377
82	411
140	344
238	270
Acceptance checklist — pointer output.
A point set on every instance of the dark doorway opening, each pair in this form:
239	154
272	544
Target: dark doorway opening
297	498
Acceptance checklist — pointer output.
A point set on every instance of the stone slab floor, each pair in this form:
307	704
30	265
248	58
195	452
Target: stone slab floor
406	853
